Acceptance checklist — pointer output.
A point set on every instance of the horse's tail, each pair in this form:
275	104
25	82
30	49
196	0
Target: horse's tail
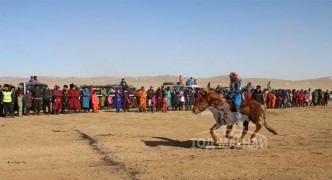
267	126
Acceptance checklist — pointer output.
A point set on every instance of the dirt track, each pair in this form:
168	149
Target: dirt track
133	145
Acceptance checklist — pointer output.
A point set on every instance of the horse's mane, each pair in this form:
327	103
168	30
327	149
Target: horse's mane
215	98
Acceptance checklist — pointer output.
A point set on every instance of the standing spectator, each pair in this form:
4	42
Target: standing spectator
65	102
74	102
269	99
209	85
27	102
36	95
191	98
265	96
187	101
118	100
103	94
47	97
273	100
326	97
173	99
180	80
31	79
7	101
57	97
35	79
142	99
20	104
123	83
85	101
109	101
315	97
159	97
1	105
150	94
291	98
125	100
95	103
320	97
306	98
258	95
247	94
153	103
165	104
285	99
92	92
169	96
181	101
190	81
195	82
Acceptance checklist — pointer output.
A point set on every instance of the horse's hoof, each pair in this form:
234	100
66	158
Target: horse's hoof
238	144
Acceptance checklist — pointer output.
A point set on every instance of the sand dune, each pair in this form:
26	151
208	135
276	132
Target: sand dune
322	83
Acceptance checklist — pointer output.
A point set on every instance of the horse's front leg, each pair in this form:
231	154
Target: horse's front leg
214	137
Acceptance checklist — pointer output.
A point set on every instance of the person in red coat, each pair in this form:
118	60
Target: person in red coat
92	92
74	102
247	94
125	100
57	104
269	99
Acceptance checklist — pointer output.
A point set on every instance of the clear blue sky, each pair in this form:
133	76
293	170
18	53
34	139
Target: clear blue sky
289	39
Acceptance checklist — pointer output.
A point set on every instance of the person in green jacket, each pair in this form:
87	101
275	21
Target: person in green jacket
20	104
315	97
103	94
320	97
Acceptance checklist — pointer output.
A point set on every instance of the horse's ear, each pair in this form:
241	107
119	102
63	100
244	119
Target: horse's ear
206	91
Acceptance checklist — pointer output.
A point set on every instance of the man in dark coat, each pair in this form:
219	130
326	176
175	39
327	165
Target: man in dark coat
124	84
150	94
47	99
257	95
36	95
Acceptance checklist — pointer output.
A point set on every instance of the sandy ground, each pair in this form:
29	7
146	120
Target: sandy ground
133	145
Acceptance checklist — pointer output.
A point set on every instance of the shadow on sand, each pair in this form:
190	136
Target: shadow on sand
162	141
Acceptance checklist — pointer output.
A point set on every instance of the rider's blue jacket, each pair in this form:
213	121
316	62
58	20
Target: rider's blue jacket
235	92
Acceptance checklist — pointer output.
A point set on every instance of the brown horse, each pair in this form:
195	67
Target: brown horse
253	109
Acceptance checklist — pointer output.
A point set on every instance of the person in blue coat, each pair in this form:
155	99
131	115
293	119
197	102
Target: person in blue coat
169	96
235	94
118	100
85	99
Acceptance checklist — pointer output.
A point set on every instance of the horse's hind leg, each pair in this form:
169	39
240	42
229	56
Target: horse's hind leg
258	127
228	131
245	131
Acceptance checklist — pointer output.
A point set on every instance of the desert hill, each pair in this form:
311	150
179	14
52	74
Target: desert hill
322	83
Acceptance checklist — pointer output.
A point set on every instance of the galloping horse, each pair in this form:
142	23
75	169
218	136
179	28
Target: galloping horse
251	108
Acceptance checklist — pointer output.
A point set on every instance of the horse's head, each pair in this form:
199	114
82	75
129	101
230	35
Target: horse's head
208	99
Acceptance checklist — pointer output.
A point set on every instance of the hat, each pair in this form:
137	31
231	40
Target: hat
258	86
234	74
